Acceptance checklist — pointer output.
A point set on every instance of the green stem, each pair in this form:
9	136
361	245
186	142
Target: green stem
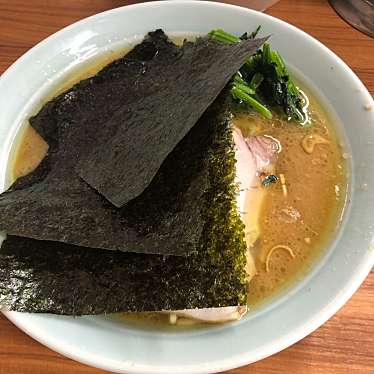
256	80
223	36
253	34
239	94
266	55
245	88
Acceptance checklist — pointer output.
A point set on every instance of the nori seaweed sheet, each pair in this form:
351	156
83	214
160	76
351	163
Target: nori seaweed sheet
172	95
52	277
52	203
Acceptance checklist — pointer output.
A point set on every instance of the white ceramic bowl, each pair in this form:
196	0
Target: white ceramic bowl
109	344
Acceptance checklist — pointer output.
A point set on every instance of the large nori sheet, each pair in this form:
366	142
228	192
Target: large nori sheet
44	276
173	93
54	204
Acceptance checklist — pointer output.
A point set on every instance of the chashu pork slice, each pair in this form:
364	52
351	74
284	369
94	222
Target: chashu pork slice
254	156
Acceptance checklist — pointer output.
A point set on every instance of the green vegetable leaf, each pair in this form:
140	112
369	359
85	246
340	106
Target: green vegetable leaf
264	81
269	179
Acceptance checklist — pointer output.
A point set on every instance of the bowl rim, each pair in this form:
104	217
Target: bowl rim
22	320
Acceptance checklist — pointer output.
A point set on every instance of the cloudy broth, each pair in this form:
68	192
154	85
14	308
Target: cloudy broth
302	210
